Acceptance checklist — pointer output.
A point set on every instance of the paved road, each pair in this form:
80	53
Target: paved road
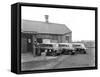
80	60
73	61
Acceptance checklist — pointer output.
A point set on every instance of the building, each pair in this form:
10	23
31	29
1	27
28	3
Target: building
43	32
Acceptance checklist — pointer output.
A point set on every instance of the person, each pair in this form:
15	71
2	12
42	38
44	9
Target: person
37	48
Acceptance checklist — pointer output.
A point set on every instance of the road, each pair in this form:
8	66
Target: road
73	61
80	60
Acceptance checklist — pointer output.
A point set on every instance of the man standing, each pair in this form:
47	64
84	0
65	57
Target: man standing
37	48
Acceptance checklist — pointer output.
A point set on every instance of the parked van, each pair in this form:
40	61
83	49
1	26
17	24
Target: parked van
55	49
79	48
66	48
51	49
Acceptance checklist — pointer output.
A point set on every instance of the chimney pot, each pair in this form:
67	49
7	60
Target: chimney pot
46	18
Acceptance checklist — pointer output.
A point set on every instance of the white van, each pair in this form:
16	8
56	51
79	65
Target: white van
79	48
51	49
66	48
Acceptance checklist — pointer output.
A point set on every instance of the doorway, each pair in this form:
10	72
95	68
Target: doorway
29	43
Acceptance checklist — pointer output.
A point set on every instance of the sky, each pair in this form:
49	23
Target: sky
80	22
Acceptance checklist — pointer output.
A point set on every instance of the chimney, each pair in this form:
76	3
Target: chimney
46	18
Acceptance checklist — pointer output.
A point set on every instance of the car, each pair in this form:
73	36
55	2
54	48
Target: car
79	48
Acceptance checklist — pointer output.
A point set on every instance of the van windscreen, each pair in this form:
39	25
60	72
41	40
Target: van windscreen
74	45
62	45
45	45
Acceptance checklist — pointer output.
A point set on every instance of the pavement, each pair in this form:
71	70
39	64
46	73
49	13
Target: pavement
28	62
27	57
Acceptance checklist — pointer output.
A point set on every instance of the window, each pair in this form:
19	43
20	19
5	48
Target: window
29	40
67	38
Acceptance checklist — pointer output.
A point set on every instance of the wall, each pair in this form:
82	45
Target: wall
23	45
52	37
64	37
56	38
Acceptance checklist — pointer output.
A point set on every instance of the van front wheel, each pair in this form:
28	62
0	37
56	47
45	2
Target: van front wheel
84	52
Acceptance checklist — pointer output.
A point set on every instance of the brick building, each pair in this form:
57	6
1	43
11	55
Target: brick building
43	32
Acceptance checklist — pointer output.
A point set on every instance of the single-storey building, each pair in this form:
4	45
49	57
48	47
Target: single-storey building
43	32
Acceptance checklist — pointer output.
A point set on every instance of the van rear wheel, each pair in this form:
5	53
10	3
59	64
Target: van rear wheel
70	52
53	53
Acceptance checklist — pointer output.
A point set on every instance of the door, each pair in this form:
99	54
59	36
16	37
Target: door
29	43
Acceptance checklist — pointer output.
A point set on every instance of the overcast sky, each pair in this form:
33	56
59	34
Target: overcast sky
81	22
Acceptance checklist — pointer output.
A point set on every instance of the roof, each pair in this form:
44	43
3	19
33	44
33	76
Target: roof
43	27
